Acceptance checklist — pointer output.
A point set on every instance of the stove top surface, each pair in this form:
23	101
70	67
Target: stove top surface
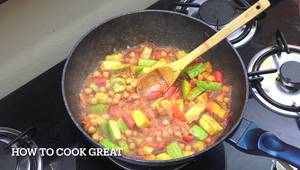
39	103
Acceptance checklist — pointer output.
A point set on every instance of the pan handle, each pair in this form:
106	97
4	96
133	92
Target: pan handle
273	146
251	139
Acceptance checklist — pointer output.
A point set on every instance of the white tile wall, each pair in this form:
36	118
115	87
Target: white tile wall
37	34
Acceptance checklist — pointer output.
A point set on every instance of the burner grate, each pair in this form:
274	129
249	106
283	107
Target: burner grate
279	89
218	13
10	138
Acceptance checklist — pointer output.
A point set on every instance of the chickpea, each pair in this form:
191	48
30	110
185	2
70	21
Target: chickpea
96	137
181	145
158	139
134	83
220	98
208	67
149	139
88	90
125	76
128	133
96	74
92	116
102	89
165	134
132	61
99	120
226	100
111	93
125	94
200	77
93	122
166	122
105	116
170	55
109	100
118	96
150	157
132	54
126	60
192	103
205	75
161	110
115	101
134	133
132	145
135	96
129	88
178	134
225	89
91	129
94	100
130	140
107	85
208	140
188	148
210	78
163	54
106	74
128	80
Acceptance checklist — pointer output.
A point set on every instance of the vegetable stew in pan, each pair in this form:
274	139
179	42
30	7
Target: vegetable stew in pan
190	116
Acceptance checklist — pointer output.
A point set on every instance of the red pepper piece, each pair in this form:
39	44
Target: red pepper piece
156	55
170	92
197	60
128	120
177	113
188	138
155	94
218	76
99	80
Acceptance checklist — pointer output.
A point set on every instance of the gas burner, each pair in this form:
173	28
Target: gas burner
289	75
278	89
11	138
218	13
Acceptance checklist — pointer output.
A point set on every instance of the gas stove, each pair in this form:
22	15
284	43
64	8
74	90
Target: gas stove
218	14
39	105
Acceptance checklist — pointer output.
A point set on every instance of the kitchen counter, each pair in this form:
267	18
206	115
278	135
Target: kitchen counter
38	34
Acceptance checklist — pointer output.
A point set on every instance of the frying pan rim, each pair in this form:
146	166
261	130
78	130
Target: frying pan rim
140	161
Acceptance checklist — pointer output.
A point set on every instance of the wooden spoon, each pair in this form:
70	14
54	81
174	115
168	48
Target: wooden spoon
163	77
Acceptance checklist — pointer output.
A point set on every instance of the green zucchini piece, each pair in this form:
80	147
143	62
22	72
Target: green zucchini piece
195	70
174	150
98	108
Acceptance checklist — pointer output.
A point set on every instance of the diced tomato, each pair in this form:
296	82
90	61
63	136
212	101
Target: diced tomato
161	145
99	80
176	112
169	93
128	120
218	76
197	60
156	55
155	94
188	138
193	83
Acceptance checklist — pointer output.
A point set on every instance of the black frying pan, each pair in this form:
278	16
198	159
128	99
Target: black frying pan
165	28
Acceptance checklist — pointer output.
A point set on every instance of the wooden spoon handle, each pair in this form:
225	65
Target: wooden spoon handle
241	20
